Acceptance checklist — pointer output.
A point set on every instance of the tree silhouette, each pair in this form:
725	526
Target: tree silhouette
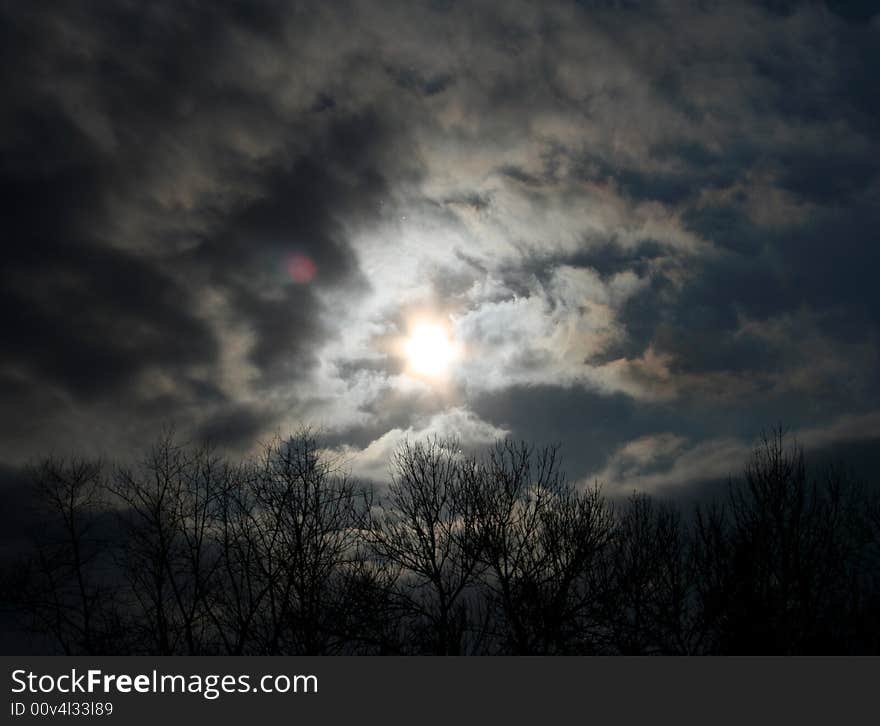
780	563
648	582
167	556
425	528
301	526
188	552
66	591
538	538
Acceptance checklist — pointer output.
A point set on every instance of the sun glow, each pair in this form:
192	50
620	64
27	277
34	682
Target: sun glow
429	350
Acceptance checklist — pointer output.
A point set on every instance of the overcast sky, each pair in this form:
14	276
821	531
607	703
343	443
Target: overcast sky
649	229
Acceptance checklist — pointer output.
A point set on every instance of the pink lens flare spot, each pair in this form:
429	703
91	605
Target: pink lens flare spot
301	268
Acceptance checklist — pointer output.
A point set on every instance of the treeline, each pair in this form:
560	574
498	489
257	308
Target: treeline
191	553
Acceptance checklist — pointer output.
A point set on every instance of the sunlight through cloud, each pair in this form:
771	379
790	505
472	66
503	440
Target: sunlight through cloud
430	350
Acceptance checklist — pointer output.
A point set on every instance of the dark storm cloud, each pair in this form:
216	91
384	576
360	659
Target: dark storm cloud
823	264
103	278
298	213
80	314
652	224
693	168
235	426
587	425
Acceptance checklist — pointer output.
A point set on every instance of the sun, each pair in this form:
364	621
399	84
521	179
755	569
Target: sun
429	350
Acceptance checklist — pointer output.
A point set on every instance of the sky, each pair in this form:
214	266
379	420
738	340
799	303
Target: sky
644	231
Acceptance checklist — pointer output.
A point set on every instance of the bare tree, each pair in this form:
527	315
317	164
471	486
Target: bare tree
426	527
538	538
299	546
167	507
241	589
648	590
68	593
187	553
776	564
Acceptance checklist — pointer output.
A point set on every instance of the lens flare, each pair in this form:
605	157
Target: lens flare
301	268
